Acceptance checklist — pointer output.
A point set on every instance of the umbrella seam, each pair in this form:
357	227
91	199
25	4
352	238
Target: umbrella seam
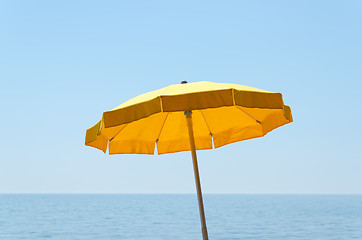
233	94
206	123
162	128
118	132
212	137
161	104
248	115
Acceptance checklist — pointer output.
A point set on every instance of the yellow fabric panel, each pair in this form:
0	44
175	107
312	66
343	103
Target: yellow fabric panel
273	120
138	136
93	132
230	124
258	99
179	89
269	118
141	98
131	113
100	143
201	100
111	132
202	134
98	136
288	113
174	136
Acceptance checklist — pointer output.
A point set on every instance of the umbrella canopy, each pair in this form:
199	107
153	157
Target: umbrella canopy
221	114
215	113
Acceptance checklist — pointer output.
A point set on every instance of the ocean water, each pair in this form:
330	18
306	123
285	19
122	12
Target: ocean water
141	217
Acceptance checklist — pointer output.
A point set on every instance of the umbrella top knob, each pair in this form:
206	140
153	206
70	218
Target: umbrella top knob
183	82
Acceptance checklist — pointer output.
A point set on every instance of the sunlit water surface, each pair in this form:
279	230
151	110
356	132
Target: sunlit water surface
136	217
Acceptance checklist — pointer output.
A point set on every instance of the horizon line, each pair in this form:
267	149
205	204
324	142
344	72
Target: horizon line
95	193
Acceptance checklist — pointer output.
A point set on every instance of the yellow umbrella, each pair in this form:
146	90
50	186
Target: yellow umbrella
190	116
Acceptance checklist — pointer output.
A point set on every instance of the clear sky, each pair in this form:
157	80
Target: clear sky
62	63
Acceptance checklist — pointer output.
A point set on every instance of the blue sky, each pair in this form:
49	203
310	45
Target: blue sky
62	63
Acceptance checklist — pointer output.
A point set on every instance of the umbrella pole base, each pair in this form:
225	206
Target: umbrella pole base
188	115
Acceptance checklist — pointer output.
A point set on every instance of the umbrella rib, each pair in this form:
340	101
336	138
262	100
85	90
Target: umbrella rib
118	132
248	115
206	123
162	127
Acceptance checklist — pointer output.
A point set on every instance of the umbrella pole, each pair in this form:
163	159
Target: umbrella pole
188	115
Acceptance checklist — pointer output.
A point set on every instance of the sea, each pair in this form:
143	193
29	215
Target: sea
176	216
